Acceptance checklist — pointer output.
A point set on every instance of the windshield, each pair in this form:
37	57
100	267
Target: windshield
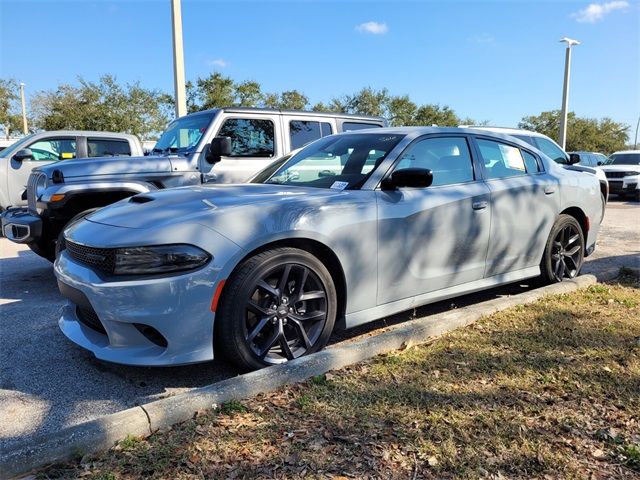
624	159
183	134
12	149
338	162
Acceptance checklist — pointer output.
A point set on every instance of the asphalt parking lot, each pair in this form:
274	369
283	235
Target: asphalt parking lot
47	383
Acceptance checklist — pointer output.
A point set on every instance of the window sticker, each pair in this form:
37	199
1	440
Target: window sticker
339	185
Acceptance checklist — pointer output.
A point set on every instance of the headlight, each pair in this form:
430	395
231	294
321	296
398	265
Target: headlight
162	259
41	185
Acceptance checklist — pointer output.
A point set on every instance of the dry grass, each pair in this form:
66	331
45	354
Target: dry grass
549	390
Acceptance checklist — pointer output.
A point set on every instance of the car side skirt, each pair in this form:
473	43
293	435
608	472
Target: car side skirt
364	316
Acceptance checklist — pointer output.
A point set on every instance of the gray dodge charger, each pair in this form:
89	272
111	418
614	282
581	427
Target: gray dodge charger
351	228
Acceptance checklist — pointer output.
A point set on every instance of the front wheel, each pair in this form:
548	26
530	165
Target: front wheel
564	252
277	306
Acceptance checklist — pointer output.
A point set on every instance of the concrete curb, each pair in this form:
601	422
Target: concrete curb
103	433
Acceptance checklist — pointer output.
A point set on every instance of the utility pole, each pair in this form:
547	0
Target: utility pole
565	91
635	140
25	129
178	59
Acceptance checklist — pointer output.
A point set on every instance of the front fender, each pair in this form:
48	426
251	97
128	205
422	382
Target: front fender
73	190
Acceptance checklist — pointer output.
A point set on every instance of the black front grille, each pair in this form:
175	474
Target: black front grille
99	258
619	174
89	318
31	190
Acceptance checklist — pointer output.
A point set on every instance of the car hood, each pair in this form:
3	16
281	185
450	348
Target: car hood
583	168
203	203
83	167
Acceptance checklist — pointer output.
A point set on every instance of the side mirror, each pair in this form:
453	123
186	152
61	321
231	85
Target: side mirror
600	162
219	147
24	154
408	177
574	158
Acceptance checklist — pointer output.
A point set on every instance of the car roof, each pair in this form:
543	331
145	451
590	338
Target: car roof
81	133
625	152
289	112
505	130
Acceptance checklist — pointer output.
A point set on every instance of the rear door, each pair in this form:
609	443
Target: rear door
524	205
435	237
45	151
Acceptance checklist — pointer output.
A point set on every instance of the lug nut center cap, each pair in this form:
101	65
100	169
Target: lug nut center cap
282	311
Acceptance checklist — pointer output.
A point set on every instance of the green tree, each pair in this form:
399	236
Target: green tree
10	108
105	105
367	102
433	114
590	134
215	91
401	111
248	94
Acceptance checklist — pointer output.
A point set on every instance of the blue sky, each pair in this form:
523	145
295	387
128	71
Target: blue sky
495	61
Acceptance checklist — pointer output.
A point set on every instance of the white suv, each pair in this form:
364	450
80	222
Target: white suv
623	172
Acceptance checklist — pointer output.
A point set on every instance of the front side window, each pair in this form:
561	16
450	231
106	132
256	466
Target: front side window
448	158
501	160
104	147
52	150
302	132
338	162
551	150
182	135
250	137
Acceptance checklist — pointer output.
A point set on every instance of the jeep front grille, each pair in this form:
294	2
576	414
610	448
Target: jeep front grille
31	190
100	258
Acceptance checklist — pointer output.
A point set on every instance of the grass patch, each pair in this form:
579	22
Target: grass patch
549	389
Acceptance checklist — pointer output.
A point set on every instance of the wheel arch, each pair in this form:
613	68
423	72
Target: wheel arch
316	248
581	217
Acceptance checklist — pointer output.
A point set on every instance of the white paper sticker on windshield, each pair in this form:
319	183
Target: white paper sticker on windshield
340	185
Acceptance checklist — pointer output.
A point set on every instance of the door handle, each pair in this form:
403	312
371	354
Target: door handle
549	189
481	205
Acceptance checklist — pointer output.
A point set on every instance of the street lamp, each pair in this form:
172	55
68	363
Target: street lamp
565	90
25	130
178	59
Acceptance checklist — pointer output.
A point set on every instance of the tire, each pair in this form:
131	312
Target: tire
60	243
564	251
257	325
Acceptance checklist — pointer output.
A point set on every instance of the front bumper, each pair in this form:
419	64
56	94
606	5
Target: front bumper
159	321
21	226
630	185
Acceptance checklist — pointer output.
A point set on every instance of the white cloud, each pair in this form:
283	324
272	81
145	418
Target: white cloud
594	12
374	28
218	62
484	39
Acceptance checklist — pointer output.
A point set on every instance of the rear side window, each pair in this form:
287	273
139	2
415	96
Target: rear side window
104	147
347	126
250	137
531	162
501	160
448	158
326	129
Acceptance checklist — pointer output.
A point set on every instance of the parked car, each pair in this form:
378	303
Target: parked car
7	142
40	149
623	171
261	273
590	159
555	152
187	153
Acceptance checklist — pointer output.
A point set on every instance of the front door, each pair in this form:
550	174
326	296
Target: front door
435	237
45	151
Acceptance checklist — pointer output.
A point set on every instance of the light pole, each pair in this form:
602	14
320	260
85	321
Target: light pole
25	129
635	140
565	91
178	59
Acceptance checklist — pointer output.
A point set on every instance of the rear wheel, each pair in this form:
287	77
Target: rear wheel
564	252
277	306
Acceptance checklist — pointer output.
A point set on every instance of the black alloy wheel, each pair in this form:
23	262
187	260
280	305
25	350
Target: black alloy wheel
564	252
278	306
